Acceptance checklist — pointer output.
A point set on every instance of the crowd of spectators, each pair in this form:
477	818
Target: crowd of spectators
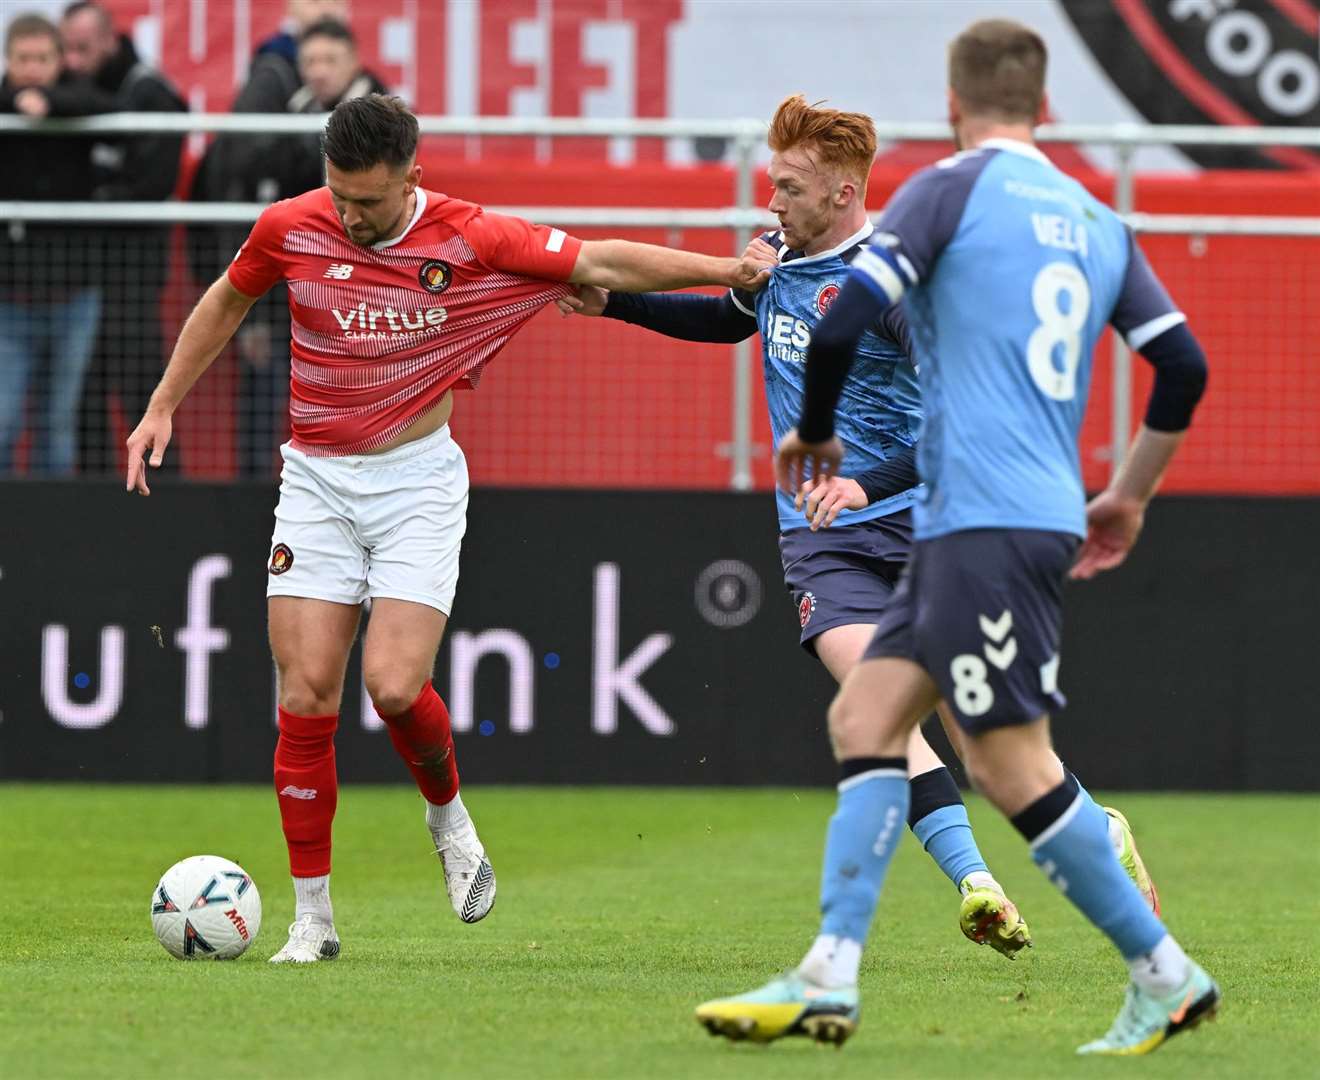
81	305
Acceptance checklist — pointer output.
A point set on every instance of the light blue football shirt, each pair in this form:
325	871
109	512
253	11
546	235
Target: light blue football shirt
1011	270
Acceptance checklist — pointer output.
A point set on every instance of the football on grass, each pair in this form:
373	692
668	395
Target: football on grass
206	907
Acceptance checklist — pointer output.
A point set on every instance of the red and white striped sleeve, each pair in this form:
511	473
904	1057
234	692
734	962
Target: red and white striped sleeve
516	246
259	263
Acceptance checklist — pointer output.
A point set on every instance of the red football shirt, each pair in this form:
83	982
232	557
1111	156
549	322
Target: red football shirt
380	333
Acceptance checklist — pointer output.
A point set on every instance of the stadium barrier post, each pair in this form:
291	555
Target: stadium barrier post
1121	376
740	477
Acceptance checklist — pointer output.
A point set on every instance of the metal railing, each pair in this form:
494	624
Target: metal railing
745	138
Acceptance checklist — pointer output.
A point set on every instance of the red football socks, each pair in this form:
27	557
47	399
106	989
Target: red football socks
307	789
423	739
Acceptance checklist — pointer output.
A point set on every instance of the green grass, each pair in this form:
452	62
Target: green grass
619	910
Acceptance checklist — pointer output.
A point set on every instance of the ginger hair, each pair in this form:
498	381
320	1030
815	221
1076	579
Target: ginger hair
840	140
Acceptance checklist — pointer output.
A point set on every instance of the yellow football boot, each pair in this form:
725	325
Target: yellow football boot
1125	845
988	917
788	1005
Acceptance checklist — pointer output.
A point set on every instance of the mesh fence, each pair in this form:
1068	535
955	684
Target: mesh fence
1257	430
1255	304
88	314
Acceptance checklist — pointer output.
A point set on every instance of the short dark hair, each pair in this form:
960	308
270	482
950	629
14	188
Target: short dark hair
32	25
79	6
330	28
367	131
997	68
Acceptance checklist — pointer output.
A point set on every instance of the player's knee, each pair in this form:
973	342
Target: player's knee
978	775
392	693
846	725
304	694
302	700
988	780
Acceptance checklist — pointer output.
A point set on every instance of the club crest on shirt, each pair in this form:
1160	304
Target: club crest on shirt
807	608
435	275
825	296
281	559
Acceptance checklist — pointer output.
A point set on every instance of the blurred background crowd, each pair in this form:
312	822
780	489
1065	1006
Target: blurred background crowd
108	237
79	346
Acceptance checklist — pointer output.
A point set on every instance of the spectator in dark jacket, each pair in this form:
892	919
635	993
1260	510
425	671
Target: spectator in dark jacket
275	62
234	168
140	167
239	165
50	296
331	71
256	168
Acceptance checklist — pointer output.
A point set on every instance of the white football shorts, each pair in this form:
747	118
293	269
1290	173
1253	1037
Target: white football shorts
371	525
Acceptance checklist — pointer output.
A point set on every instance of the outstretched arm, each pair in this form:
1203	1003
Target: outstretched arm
686	316
624	266
721	320
520	247
207	331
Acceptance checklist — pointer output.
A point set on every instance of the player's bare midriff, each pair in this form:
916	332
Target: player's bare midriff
423	426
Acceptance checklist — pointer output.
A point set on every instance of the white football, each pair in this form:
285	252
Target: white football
206	907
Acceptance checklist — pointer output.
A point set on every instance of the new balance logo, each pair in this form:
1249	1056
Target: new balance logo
340	271
299	792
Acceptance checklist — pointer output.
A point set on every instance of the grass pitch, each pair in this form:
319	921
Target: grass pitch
618	911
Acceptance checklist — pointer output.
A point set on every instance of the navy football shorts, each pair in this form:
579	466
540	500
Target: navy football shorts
982	612
844	575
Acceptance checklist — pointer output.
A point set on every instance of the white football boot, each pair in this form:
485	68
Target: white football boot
469	878
310	940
